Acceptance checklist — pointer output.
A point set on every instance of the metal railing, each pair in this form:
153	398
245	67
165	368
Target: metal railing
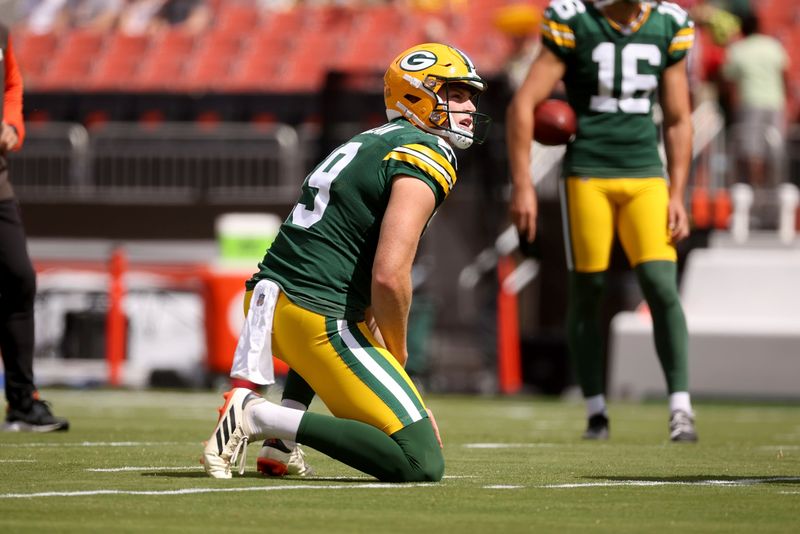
171	163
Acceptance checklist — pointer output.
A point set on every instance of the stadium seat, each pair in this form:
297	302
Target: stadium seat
238	18
65	72
161	72
257	71
174	41
82	42
34	53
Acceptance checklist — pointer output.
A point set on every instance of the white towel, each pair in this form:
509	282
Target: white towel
253	357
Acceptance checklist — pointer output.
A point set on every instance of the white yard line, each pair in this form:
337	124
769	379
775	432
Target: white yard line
194	491
151	468
99	444
510	445
740	482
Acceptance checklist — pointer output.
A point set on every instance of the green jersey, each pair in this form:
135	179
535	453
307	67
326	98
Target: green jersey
323	254
612	74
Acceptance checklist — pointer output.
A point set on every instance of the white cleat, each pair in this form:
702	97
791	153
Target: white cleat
231	436
275	459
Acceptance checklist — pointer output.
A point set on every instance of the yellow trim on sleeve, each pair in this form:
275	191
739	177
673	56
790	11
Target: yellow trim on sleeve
428	161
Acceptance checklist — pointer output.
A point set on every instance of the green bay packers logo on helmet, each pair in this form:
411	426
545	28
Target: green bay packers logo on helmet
419	60
416	87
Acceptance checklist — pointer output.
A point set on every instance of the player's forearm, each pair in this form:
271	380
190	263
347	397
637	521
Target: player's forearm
519	136
678	146
391	302
12	97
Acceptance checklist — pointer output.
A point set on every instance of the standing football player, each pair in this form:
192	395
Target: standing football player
332	295
614	57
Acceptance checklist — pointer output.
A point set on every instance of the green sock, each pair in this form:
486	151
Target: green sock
658	280
583	330
409	455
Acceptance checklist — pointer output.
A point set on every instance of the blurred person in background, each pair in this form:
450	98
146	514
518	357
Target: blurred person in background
96	15
44	16
193	16
333	293
756	70
25	411
613	55
520	24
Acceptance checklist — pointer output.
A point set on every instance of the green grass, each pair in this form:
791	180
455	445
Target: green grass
743	476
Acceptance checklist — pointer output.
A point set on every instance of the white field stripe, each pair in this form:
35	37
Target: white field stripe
509	445
151	468
742	482
17	461
100	444
378	372
194	491
502	486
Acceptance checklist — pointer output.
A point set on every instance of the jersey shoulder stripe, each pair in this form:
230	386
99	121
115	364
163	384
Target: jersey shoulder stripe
683	40
559	34
427	160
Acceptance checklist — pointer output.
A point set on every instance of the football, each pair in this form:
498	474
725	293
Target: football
554	122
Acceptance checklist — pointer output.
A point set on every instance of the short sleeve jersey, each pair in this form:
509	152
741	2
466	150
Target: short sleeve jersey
323	254
612	74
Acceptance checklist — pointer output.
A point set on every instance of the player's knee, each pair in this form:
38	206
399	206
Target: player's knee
586	289
659	284
431	469
19	287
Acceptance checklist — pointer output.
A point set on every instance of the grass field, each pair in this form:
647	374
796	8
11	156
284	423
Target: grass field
130	464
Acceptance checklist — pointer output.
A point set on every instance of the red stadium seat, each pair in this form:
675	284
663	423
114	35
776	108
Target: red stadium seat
34	52
119	64
66	72
240	18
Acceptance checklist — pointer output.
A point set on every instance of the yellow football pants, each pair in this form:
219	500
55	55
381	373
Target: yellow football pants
593	209
349	370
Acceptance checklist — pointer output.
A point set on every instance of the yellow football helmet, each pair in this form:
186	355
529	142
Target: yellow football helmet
411	90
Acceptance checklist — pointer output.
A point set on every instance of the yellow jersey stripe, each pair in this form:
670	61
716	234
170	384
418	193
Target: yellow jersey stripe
559	38
428	161
681	42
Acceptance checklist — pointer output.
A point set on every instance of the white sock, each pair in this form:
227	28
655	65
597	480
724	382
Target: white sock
680	400
596	404
295	405
268	420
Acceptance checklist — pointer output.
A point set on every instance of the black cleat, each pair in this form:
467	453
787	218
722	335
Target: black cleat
38	418
597	427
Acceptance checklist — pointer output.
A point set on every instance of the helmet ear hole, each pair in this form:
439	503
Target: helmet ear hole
412	98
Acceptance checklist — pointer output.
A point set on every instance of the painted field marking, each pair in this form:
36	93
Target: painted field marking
100	444
151	468
502	486
195	491
510	445
17	461
742	482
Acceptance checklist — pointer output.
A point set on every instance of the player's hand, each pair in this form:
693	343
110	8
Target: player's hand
435	428
678	220
8	137
523	209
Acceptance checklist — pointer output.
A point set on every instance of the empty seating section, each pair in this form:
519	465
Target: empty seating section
250	50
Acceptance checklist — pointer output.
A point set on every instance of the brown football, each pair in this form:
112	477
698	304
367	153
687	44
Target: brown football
554	122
